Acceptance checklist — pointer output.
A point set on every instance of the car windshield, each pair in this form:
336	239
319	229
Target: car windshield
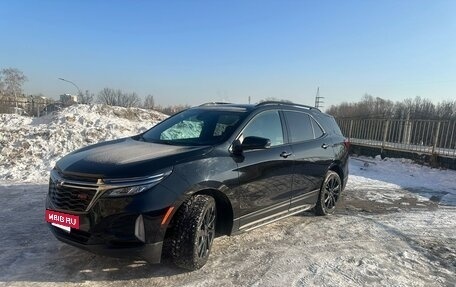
198	126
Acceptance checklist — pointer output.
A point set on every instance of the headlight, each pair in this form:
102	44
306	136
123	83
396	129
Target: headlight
127	187
129	190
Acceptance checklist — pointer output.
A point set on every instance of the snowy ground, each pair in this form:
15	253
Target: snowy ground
395	225
387	232
402	179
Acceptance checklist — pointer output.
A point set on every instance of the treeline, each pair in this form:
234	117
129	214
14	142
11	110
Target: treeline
375	107
13	100
120	98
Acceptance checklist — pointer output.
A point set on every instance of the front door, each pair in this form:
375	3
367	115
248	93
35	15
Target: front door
265	175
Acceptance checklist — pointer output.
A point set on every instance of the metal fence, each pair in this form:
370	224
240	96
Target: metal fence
421	136
29	106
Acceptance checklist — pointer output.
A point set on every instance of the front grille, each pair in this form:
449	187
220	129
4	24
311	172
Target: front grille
70	198
73	193
88	180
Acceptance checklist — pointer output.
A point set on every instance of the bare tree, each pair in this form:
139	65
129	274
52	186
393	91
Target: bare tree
107	96
417	108
274	100
129	100
86	98
171	110
113	97
13	79
149	102
2	86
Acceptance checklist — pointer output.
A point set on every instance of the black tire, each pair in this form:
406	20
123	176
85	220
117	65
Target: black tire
329	194
193	232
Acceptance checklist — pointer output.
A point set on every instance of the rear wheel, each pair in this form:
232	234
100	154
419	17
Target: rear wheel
329	194
193	232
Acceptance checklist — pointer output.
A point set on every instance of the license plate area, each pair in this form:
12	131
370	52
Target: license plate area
62	220
65	228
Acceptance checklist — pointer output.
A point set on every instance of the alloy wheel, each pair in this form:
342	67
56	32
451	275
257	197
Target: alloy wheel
332	192
206	232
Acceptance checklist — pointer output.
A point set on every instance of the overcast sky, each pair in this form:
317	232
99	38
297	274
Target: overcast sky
198	51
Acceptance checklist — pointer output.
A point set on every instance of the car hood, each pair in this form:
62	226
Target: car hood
125	158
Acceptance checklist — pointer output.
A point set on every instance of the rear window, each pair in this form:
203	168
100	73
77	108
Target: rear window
299	126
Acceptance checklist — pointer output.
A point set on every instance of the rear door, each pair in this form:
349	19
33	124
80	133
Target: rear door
312	155
265	175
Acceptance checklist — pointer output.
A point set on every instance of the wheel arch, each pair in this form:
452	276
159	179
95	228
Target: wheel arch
337	169
224	225
225	212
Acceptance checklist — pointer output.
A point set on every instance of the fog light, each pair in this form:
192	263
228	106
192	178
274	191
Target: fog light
139	229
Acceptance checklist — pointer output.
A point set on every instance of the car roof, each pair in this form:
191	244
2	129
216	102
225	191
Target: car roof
327	121
250	107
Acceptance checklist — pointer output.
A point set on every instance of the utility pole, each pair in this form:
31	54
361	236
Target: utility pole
318	99
249	100
79	90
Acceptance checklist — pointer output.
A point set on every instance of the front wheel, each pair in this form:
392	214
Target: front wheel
329	194
194	232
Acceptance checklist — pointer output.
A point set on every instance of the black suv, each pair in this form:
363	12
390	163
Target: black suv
215	169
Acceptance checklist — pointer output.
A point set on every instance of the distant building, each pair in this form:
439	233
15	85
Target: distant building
68	99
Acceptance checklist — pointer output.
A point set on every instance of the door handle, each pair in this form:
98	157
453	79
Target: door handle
325	146
285	154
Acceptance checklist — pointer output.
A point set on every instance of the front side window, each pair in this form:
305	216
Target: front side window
266	125
196	127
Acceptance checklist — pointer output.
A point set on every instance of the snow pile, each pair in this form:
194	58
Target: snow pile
29	147
401	178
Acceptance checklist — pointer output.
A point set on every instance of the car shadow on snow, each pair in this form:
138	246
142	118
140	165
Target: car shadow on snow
30	253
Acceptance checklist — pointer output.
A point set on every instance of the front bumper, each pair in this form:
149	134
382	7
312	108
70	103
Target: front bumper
150	252
108	228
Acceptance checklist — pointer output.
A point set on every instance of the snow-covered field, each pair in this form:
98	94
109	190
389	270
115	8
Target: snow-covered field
395	225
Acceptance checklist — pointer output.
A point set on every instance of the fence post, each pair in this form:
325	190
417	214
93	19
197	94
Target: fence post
385	135
350	130
436	138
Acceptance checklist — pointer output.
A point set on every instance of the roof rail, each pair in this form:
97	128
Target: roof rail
213	104
287	104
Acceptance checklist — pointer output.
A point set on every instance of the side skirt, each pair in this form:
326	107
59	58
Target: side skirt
276	212
275	217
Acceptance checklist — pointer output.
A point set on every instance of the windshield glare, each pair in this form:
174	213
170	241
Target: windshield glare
196	127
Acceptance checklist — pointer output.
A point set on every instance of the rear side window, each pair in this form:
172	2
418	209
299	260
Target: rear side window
335	126
300	126
317	129
329	124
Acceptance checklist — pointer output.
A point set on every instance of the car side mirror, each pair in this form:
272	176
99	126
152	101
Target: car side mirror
250	143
